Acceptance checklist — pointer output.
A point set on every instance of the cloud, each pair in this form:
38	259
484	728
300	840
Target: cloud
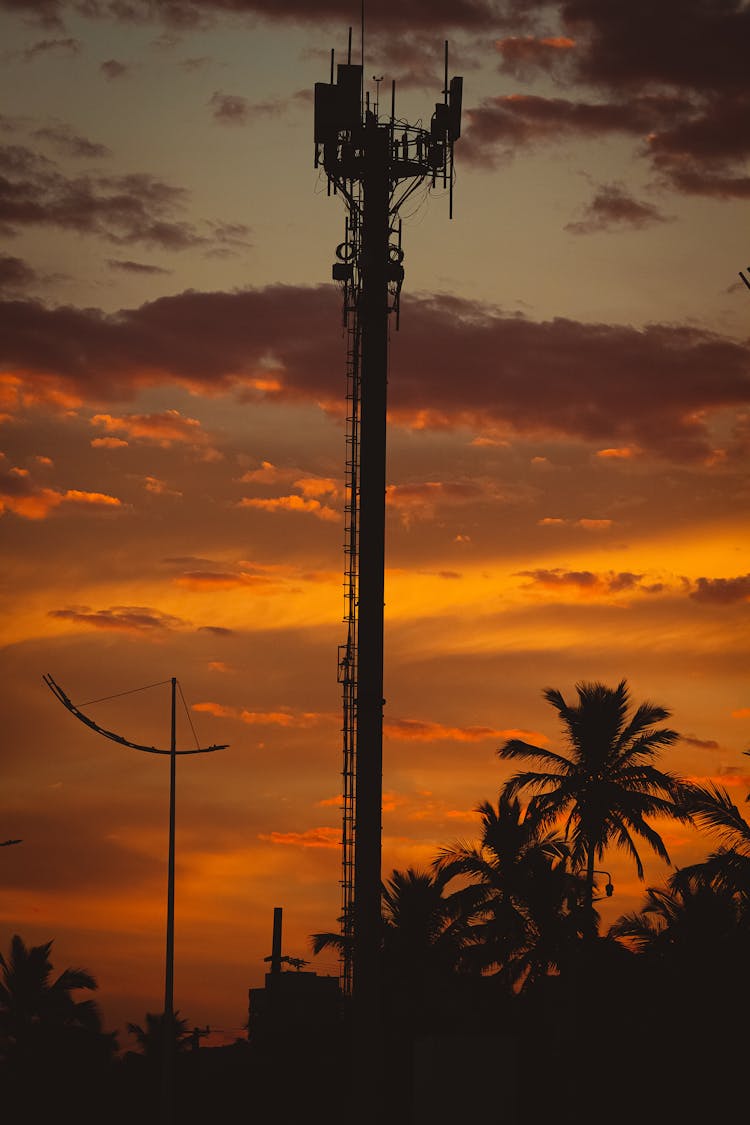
585	581
46	47
623	454
694	57
229	109
165	429
291	503
415	730
584	523
64	138
209	580
127	266
112	69
470	14
134	207
15	274
282	718
701	743
22	496
613	208
722	591
310	838
664	382
125	619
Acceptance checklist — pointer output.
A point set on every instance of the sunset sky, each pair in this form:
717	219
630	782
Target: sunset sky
569	430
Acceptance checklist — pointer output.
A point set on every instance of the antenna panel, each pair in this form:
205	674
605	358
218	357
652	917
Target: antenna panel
455	94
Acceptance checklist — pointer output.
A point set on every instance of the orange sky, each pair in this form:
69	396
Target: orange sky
567	459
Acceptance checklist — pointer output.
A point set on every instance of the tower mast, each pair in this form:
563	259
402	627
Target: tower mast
375	163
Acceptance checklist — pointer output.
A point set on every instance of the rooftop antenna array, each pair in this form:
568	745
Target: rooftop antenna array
375	162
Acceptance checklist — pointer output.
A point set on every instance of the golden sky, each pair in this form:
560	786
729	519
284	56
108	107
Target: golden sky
567	458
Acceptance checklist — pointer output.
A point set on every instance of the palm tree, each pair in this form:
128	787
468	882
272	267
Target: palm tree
520	893
151	1036
32	1004
607	784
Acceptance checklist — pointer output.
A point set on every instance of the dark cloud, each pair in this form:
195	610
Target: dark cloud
229	109
693	44
613	208
130	208
52	47
66	140
662	382
722	591
135	267
112	69
472	14
693	50
233	109
502	124
701	743
610	582
127	619
15	275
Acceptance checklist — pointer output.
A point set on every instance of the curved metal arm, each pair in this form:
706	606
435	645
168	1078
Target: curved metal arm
609	886
66	702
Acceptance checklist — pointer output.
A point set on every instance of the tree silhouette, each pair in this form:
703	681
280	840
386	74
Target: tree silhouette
31	1002
54	1057
150	1036
607	785
521	895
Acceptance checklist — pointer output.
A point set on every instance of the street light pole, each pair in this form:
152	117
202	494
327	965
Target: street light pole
169	1016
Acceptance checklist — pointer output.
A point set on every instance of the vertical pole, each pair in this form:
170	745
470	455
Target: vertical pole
276	945
369	765
169	1035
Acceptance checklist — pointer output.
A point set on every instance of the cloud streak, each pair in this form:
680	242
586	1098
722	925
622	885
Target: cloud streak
664	381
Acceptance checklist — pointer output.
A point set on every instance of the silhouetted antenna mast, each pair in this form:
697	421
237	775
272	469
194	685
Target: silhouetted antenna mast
375	165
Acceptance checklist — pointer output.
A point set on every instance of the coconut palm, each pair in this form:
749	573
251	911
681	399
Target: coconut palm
32	1003
519	893
150	1036
728	868
607	785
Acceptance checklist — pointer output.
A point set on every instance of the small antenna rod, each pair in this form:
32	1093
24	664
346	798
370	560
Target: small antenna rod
332	66
445	87
349	53
393	100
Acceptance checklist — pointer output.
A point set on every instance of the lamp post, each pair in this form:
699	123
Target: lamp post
609	886
169	1015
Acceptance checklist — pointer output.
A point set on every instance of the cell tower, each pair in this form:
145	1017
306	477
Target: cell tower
375	162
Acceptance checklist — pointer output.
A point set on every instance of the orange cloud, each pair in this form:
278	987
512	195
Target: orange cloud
108	443
20	495
290	504
415	730
317	486
165	429
741	713
594	525
159	488
311	838
586	524
285	718
622	454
